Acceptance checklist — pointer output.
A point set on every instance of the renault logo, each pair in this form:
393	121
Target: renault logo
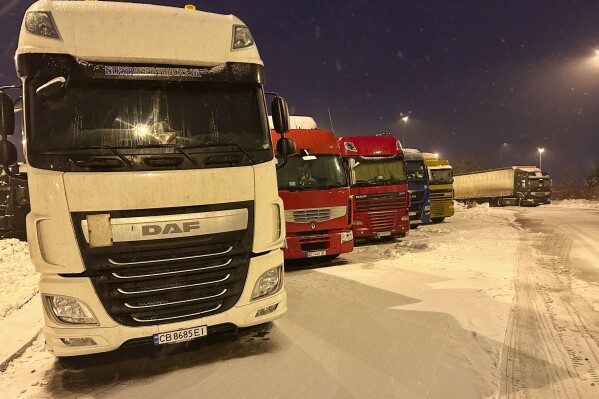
313	225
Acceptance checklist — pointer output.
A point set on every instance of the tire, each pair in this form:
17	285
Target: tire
414	226
520	201
438	220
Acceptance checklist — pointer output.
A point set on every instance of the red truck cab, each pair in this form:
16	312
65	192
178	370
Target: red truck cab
315	192
379	185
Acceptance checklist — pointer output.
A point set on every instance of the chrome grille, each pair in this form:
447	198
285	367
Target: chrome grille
379	202
309	215
382	221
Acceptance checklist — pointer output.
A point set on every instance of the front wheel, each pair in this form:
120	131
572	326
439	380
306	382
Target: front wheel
414	226
438	220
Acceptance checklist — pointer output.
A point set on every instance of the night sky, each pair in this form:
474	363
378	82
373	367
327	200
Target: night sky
473	73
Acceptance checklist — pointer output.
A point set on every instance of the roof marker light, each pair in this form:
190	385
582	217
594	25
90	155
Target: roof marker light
242	37
190	7
41	23
349	146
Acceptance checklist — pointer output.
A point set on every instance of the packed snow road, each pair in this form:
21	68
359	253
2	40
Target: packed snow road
491	302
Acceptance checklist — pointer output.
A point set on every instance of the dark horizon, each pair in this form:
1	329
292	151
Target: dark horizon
474	75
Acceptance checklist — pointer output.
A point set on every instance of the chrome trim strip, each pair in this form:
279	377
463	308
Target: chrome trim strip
177	317
228	262
170	259
122	291
176	302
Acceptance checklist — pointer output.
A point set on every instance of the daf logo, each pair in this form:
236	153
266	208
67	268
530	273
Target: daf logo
313	225
361	196
169	228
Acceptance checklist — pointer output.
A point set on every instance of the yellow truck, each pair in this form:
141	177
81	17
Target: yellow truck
441	186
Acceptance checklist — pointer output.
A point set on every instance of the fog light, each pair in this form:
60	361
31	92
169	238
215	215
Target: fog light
70	310
404	218
358	223
268	283
267	310
427	208
78	341
347	236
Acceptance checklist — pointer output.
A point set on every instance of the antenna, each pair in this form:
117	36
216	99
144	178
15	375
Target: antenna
331	120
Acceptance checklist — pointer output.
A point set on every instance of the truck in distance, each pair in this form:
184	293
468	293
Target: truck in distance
155	213
514	185
420	205
316	195
379	185
440	177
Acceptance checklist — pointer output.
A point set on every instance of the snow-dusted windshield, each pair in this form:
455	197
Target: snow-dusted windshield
416	171
539	183
440	176
324	172
380	172
125	114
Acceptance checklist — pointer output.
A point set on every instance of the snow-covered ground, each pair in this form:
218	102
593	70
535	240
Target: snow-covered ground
575	203
487	303
18	278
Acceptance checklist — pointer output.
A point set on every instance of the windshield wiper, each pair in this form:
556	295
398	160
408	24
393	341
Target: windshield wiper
221	145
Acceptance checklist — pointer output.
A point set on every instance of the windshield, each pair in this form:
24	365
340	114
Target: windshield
539	183
134	114
416	171
324	172
441	176
380	172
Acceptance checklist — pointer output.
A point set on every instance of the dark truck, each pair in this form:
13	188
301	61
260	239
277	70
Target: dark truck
514	185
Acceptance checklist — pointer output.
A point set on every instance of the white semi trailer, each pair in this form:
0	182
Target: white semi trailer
515	185
155	214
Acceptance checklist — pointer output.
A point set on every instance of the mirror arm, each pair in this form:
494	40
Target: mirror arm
283	163
18	176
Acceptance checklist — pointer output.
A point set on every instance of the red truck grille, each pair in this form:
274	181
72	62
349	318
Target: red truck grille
380	202
382	221
315	242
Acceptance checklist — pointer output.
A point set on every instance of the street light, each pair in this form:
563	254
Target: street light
541	151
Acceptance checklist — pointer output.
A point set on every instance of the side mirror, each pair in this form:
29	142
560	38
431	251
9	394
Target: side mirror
285	147
7	115
280	115
8	152
351	163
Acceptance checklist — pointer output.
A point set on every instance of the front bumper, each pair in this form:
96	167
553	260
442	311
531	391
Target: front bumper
109	335
299	246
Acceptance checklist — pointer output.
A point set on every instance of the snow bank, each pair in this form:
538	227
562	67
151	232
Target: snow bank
575	203
18	278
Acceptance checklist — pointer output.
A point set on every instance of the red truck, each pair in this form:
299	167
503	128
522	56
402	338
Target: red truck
315	191
378	184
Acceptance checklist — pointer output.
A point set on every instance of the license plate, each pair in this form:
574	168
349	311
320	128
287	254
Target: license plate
313	254
172	337
384	234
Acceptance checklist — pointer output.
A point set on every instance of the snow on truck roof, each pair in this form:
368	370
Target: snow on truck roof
104	31
412	154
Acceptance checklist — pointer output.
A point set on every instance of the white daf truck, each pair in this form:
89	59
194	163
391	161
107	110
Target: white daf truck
155	214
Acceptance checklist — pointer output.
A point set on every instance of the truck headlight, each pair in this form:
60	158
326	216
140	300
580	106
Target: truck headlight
347	236
268	283
358	223
427	207
70	310
404	218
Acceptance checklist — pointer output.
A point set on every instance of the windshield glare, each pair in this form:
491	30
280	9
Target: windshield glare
380	172
441	176
326	171
125	114
416	172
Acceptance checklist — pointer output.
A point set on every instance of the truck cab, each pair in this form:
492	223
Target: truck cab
532	185
440	177
418	183
315	192
379	186
155	213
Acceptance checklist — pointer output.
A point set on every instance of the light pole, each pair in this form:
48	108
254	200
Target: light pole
541	151
404	118
504	145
